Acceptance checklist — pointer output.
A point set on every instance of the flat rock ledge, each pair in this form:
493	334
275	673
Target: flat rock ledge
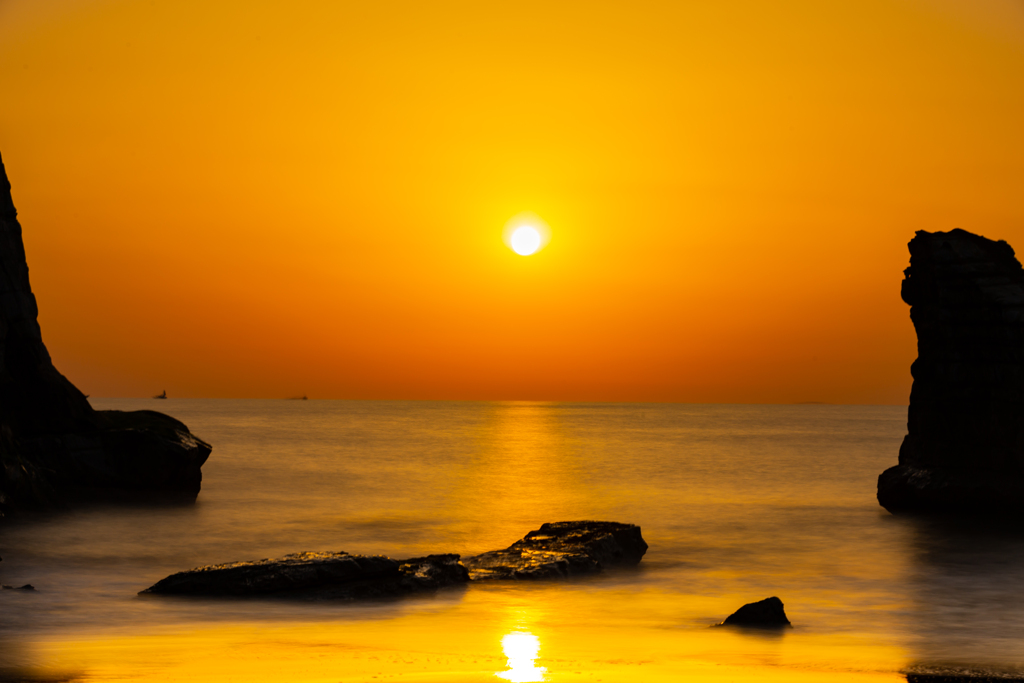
561	549
321	575
911	488
555	550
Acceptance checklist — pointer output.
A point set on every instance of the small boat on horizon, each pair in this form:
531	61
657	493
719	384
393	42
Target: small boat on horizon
163	395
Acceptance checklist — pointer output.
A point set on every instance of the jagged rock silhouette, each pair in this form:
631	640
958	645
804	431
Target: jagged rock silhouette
964	448
54	448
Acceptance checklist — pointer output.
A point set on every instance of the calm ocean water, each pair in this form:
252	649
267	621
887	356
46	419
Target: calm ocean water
737	502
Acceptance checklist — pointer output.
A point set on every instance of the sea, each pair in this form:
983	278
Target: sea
737	503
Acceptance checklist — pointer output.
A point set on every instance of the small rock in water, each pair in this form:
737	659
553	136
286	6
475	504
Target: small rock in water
767	612
973	677
8	588
26	587
561	549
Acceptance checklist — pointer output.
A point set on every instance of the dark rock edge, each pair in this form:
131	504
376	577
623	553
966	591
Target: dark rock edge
556	550
767	613
55	449
963	453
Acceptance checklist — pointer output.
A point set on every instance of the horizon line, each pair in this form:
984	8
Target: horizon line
495	400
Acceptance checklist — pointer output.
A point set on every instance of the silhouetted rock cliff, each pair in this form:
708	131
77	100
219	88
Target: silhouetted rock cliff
53	445
964	450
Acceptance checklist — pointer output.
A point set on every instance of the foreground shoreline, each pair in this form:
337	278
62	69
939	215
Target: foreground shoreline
496	632
366	652
317	652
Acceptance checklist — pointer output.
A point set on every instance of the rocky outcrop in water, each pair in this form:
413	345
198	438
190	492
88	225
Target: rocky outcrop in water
767	613
53	446
964	448
562	549
555	550
323	575
977	676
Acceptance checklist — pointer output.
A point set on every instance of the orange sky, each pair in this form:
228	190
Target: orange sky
263	199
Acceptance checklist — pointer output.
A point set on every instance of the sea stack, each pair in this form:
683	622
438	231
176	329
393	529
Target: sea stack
53	446
964	448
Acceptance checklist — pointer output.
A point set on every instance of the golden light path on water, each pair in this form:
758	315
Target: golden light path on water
522	650
489	633
452	648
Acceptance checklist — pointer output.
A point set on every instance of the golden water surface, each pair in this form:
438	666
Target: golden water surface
737	503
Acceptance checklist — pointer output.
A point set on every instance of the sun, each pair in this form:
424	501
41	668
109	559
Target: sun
525	240
526	233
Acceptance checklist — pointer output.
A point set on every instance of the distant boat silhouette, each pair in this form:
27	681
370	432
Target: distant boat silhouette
163	395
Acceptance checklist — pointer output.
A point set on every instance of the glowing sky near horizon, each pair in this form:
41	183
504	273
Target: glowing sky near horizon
248	199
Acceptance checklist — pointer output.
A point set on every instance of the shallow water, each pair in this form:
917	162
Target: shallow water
736	502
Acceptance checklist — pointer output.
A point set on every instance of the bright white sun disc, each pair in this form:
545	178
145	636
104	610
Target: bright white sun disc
525	240
525	233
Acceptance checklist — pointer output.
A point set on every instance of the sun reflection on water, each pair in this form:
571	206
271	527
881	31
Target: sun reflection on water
521	650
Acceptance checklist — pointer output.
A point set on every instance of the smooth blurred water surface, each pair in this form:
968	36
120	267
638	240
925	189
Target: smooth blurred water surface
737	502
